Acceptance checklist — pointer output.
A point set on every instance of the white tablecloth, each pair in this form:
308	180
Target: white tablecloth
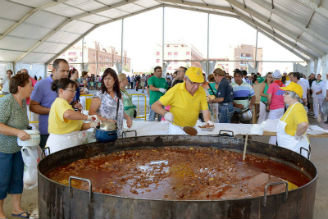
145	128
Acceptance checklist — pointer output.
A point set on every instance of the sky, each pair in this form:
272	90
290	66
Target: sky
143	34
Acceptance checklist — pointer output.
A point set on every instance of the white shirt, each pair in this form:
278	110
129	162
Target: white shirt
305	86
318	86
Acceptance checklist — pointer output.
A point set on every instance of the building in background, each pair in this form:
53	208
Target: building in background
178	54
246	54
96	57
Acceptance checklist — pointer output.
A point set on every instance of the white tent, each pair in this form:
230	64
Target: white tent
37	31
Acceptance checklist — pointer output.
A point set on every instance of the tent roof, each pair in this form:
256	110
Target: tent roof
36	31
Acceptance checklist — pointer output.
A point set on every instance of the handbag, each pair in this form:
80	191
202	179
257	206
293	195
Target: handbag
134	113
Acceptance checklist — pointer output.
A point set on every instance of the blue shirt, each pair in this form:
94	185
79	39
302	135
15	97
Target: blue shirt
43	94
225	91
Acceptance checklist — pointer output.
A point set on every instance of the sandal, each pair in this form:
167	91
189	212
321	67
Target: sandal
23	214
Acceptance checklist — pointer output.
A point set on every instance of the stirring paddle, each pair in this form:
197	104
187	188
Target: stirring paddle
190	130
245	148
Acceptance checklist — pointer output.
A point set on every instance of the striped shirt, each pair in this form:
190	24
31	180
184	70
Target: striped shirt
242	93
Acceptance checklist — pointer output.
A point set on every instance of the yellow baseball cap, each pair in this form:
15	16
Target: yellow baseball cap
295	88
195	74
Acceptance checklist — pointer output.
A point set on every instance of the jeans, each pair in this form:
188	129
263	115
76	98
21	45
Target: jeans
152	116
226	111
11	174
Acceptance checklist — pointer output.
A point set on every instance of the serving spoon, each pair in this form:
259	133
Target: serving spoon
190	130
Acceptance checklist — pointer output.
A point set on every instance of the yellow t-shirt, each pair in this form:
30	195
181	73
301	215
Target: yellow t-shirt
185	107
295	117
57	124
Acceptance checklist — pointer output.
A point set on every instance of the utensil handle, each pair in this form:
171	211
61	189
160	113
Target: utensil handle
245	148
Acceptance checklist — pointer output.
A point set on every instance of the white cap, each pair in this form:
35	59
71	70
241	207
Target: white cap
276	74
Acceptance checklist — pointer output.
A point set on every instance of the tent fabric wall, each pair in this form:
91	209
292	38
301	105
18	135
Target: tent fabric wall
4	67
39	31
38	70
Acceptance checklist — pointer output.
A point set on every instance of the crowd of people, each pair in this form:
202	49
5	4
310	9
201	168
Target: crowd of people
228	99
180	98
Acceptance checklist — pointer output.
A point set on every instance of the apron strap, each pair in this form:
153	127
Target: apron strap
289	112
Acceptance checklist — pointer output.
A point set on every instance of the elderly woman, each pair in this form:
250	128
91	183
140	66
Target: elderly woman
107	103
13	121
293	124
65	123
129	108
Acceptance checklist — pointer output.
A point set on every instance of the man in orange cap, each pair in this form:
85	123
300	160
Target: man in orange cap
291	129
187	100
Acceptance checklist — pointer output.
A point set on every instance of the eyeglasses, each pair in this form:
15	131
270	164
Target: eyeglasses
193	83
73	91
286	93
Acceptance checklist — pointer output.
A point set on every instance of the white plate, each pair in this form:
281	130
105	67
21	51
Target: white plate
207	129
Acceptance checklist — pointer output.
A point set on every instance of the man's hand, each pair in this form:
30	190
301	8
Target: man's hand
210	123
162	90
168	117
22	135
240	106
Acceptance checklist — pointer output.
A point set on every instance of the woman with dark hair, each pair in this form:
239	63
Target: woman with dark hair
73	74
13	121
107	103
65	124
264	108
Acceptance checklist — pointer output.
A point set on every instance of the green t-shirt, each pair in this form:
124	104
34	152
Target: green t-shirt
12	115
265	99
128	105
158	83
212	90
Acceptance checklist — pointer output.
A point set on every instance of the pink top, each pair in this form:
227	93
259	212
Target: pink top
277	99
33	83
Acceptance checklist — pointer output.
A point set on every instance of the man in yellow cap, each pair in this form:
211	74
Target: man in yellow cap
291	129
187	100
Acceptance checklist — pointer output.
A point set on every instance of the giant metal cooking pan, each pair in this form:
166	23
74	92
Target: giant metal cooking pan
58	201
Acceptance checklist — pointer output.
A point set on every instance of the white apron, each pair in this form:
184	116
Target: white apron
290	142
175	130
61	142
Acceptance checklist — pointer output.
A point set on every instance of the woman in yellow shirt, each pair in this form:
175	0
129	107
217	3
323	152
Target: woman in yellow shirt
291	130
65	124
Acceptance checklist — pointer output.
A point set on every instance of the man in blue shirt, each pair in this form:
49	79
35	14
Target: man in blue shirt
243	94
42	96
224	96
